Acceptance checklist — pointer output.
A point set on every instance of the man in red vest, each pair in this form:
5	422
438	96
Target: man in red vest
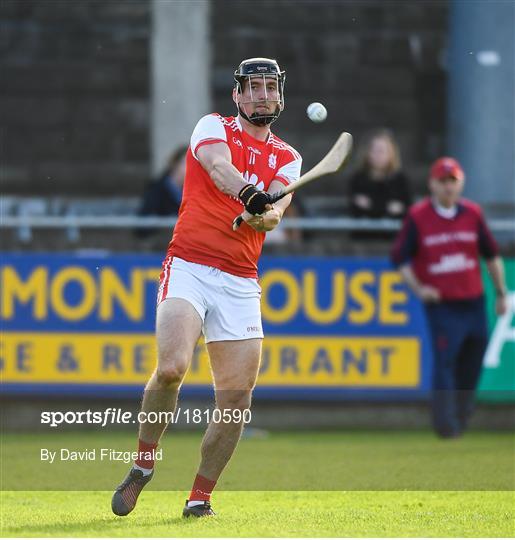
438	251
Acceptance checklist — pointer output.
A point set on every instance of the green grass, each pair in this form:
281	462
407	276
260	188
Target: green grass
346	483
286	514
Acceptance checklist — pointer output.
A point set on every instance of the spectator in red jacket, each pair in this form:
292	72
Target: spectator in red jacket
437	252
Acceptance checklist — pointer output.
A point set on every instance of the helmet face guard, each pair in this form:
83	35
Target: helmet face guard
263	69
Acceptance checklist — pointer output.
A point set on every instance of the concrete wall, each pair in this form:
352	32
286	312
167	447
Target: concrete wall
482	99
74	96
77	81
372	63
181	70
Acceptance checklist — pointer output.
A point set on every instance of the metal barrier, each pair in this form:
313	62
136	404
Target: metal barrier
75	223
311	223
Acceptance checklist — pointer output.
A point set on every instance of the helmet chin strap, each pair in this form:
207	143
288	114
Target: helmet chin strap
260	119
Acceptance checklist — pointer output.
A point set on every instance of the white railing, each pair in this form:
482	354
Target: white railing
72	225
137	222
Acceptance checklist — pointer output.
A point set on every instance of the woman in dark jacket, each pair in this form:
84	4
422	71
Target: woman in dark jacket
379	188
163	196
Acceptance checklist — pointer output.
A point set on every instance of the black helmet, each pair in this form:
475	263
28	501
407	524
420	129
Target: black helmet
260	67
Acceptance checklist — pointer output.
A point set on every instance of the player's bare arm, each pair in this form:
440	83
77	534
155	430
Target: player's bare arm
496	271
426	293
216	160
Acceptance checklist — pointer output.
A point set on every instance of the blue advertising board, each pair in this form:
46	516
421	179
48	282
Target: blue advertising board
335	328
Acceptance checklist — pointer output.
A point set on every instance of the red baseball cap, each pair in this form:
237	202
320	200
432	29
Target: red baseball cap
446	167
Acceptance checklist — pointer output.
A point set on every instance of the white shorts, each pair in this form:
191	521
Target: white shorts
229	306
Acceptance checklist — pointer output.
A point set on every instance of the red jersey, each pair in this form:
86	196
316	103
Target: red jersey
444	252
203	233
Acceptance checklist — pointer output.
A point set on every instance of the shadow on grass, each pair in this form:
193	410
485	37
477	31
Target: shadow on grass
105	524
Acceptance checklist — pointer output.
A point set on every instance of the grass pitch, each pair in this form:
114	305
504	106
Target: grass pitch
268	514
361	483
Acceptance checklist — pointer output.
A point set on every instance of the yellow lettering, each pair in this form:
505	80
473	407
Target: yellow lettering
34	288
335	310
131	298
291	305
362	297
88	300
389	298
152	274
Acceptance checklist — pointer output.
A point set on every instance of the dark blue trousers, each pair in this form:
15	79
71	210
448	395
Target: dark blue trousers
459	336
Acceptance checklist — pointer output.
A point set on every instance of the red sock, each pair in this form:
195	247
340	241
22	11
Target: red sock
144	460
202	489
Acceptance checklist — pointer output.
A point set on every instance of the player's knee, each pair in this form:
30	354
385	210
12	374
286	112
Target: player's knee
170	375
234	399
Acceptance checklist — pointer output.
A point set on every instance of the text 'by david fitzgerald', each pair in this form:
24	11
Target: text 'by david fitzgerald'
98	454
